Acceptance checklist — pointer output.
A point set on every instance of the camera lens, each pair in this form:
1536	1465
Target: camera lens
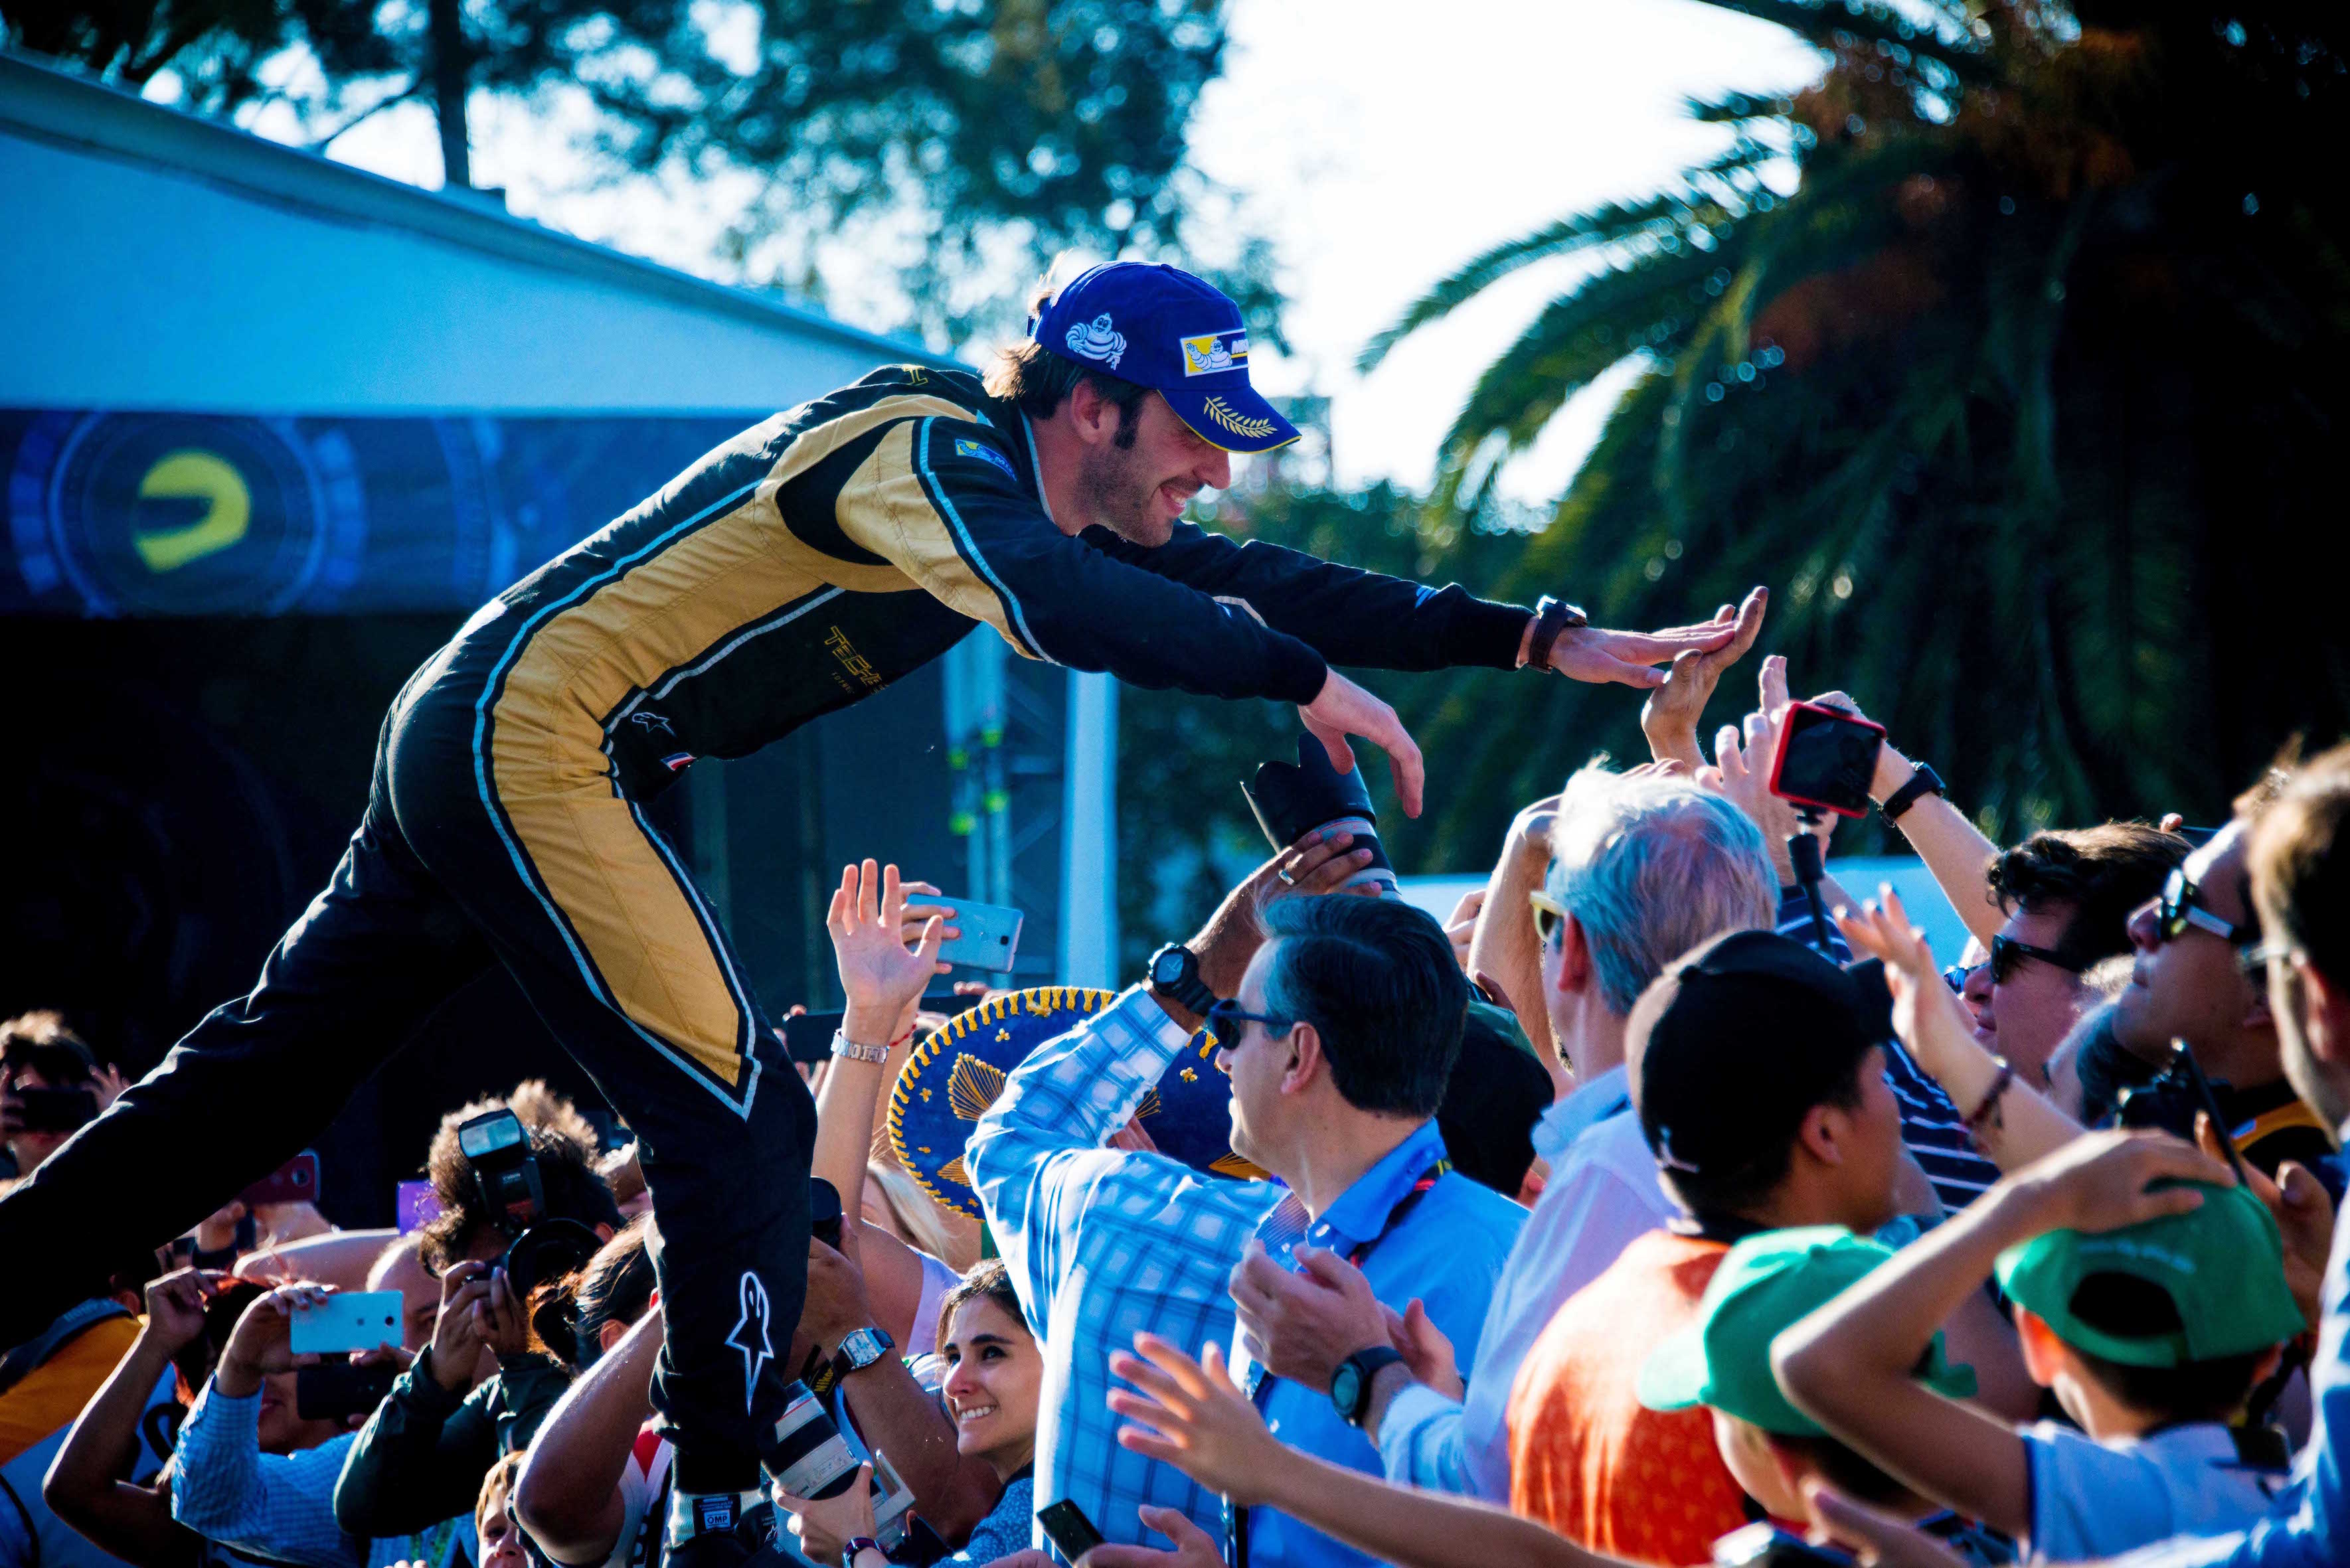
809	1456
1292	800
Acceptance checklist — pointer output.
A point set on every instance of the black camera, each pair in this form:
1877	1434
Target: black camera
505	1175
2170	1102
1292	800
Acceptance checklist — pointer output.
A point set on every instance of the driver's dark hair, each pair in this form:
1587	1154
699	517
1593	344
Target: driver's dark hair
1037	380
565	1147
1378	980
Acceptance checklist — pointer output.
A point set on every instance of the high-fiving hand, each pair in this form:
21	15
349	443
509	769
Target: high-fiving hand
1343	709
1590	653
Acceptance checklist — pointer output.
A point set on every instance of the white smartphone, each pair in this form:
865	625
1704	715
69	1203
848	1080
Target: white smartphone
991	935
345	1320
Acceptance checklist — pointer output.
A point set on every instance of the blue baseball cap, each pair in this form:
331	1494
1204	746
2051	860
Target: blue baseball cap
1163	328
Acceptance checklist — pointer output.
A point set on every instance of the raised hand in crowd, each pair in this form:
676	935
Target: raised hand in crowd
262	1343
1192	1548
886	948
1877	1539
881	978
106	1081
1319	862
1189	1414
175	1308
1668	719
1460	925
472	1319
824	1525
2303	1210
623	1171
1743	758
1953	848
2011	1121
837	1305
88	1484
1504	944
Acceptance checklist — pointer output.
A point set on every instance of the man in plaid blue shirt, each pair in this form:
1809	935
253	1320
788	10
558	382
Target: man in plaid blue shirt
1102	1244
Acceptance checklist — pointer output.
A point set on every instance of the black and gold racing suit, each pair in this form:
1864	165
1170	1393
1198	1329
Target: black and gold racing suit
795	570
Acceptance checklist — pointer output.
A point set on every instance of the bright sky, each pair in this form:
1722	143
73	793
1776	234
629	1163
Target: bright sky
1381	142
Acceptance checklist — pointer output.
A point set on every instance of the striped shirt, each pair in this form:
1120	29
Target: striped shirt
1930	1125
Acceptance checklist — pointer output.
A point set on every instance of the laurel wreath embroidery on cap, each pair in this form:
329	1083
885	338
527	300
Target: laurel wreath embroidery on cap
1238	424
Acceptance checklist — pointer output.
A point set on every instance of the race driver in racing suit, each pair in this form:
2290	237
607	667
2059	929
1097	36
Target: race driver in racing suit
799	567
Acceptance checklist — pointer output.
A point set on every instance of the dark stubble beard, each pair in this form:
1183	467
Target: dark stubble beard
1117	492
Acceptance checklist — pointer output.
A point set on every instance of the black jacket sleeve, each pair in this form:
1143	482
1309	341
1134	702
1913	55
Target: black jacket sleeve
1347	615
422	1456
939	500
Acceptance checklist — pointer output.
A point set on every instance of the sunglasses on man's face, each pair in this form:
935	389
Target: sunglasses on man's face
2007	954
2181	906
1227	1018
1550	916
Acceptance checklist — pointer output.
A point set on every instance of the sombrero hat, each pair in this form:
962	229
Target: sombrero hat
951	1078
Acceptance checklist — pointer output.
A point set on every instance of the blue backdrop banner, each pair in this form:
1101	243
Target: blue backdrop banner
125	513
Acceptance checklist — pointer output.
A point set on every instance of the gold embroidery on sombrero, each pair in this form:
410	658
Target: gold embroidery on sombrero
1237	423
952	1170
1233	1165
972	1086
1151	1104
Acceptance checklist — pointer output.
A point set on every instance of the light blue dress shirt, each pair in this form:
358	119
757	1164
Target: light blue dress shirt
1448	1249
282	1506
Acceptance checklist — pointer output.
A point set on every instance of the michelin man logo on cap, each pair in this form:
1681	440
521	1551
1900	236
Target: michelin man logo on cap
1161	327
1216	351
1097	339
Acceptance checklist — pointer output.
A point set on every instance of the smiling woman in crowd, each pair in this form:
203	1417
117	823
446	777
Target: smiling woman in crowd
993	1371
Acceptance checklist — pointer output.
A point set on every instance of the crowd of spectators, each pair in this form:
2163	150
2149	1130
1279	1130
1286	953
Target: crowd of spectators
1634	1215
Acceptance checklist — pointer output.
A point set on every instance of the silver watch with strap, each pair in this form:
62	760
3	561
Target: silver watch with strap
843	1046
864	1348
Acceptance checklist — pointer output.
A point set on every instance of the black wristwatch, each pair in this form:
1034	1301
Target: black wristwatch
1551	617
1175	969
1922	782
1350	1385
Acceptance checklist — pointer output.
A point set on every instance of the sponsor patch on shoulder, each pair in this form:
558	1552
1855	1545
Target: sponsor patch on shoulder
984	452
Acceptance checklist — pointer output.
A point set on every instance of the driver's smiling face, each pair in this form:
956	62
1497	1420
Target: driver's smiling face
1137	487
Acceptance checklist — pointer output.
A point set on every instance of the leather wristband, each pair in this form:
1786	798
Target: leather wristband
1553	617
1924	781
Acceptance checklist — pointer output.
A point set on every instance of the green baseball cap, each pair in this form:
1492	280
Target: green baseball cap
2223	1266
1766	1284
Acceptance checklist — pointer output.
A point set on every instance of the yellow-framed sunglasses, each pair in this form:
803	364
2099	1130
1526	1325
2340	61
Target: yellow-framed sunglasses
1550	916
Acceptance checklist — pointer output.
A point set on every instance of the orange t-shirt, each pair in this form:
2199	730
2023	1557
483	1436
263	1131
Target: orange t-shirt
54	1393
1586	1459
